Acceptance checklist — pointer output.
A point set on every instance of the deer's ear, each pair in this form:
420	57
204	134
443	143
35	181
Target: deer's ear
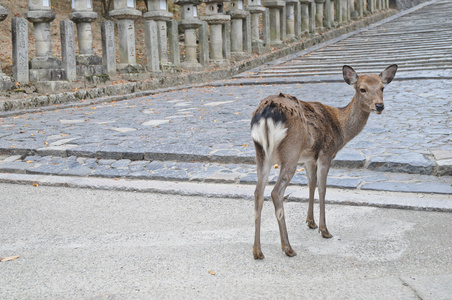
350	75
388	74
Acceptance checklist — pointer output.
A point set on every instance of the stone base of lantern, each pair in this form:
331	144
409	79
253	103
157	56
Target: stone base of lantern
89	65
47	74
46	87
191	66
132	72
238	56
46	69
259	47
47	62
5	82
84	59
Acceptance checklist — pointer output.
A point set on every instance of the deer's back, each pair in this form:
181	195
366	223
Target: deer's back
312	126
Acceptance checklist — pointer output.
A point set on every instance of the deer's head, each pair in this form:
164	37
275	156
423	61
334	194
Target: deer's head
369	88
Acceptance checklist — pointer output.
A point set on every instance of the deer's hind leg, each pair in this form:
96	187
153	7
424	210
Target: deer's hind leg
288	167
263	171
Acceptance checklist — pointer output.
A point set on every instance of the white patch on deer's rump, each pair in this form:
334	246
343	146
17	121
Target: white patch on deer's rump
258	133
276	133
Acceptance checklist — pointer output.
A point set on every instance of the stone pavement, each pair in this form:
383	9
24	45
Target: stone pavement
202	133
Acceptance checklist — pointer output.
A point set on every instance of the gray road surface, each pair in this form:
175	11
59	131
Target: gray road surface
94	244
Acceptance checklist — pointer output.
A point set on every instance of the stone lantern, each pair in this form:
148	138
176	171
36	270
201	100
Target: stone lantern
277	21
240	30
291	18
328	21
156	27
190	23
319	14
307	16
217	20
40	14
5	81
255	8
125	13
82	15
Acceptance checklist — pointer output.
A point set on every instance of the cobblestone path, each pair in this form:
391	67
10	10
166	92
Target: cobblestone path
202	134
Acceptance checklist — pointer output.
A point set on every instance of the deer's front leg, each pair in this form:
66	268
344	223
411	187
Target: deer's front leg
323	169
311	173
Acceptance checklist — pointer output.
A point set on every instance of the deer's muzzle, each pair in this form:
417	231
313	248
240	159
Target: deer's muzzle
379	107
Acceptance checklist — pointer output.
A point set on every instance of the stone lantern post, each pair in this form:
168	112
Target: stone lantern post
217	20
255	8
5	81
240	30
82	15
305	17
40	14
277	21
157	34
87	62
190	23
125	13
319	14
328	21
291	18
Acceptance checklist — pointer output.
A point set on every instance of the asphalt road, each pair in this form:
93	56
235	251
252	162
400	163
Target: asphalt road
77	243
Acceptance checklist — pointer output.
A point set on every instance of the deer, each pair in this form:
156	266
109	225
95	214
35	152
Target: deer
288	131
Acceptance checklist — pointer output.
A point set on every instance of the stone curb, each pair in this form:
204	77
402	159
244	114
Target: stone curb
345	178
406	163
152	86
413	201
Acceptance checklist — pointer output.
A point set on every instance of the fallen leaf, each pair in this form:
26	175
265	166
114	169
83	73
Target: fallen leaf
29	161
9	258
300	170
276	166
212	272
35	184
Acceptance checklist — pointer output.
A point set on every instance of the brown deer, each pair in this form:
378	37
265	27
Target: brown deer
287	131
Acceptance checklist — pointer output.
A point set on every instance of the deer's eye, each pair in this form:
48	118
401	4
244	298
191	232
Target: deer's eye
362	90
382	89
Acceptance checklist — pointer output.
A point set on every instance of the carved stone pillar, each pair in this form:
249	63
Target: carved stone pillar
157	17
125	13
5	81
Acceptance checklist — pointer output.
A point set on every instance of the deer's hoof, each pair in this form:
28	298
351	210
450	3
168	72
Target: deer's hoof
311	224
290	252
258	254
325	233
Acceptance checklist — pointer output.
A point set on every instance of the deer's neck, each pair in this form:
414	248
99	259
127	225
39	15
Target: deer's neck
353	119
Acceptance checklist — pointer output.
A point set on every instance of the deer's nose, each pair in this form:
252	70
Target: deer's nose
379	106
